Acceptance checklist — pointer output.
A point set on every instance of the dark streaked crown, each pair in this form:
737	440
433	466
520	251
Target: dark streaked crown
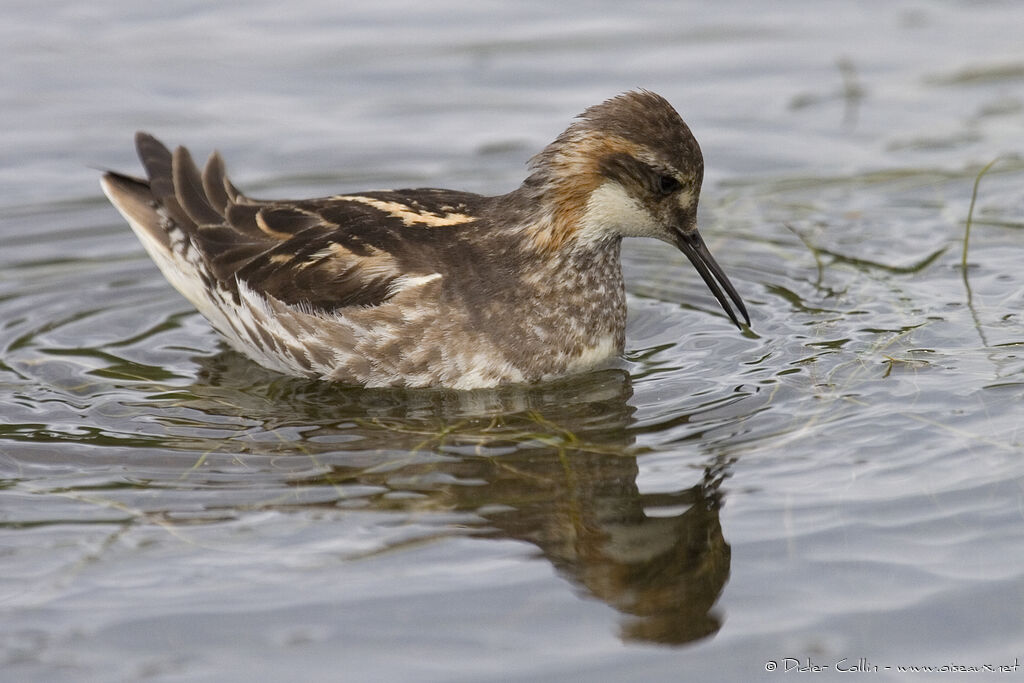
640	117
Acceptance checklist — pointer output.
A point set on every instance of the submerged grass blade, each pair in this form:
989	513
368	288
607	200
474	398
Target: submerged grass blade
963	258
970	213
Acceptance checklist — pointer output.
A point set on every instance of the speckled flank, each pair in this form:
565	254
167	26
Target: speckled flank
429	287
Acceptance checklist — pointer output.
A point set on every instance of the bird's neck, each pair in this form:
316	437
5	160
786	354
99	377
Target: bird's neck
575	291
551	210
584	281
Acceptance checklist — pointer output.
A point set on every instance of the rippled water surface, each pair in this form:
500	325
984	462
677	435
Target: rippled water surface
841	486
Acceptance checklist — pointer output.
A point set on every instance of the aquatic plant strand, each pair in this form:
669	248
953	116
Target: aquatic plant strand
970	213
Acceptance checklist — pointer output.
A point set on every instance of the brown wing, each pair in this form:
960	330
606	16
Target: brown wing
346	250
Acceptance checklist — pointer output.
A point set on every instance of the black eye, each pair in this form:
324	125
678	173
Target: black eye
667	184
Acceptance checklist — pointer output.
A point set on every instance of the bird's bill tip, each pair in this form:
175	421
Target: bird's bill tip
692	244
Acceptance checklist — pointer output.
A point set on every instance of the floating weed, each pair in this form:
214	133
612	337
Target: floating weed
963	257
970	217
1009	71
815	252
862	263
891	179
892	363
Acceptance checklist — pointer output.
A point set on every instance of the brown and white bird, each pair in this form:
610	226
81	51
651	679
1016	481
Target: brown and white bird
431	287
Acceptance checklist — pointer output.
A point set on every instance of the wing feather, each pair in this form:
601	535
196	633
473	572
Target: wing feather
215	184
324	254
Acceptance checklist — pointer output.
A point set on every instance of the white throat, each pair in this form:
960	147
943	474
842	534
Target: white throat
610	210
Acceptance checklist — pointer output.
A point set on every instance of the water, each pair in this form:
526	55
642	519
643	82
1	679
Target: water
842	483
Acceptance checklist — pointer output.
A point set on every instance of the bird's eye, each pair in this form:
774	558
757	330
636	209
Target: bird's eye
668	184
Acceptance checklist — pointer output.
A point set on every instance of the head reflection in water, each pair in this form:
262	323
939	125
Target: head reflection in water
665	572
551	466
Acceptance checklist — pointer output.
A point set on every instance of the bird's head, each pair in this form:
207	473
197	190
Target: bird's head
628	167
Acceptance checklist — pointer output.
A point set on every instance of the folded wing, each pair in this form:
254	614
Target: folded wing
324	254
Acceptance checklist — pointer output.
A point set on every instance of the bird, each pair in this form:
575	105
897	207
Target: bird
432	287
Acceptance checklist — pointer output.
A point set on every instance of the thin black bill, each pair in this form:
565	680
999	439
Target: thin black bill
692	244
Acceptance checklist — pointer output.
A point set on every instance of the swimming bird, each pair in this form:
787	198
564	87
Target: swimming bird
432	287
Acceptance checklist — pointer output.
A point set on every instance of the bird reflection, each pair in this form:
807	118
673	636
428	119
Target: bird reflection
553	465
587	516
